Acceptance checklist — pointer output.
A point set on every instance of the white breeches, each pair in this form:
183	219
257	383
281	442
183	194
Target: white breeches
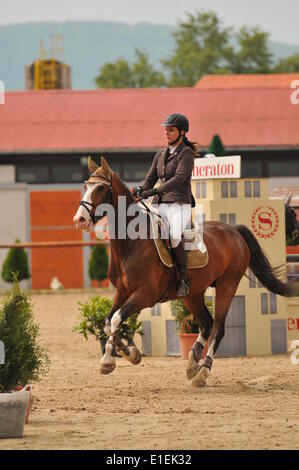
178	216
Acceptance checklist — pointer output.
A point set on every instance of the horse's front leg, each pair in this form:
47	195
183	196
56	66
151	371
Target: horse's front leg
134	304
108	360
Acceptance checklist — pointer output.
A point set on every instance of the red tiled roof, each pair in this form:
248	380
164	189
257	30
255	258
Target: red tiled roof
68	120
277	80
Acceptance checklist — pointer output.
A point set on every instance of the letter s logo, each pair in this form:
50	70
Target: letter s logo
264	220
295	94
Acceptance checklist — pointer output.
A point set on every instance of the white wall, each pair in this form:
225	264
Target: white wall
7	173
14	221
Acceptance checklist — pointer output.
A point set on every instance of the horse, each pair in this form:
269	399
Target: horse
141	280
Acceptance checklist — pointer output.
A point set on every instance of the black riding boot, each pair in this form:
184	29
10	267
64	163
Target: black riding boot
180	257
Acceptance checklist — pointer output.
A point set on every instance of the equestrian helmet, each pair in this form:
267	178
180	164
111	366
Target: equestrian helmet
177	120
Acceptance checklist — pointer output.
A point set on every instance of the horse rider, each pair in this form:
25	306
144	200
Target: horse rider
173	167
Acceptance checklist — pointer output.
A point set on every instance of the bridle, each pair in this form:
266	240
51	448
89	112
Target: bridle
89	206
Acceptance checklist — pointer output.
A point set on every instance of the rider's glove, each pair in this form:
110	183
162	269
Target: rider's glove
137	191
148	193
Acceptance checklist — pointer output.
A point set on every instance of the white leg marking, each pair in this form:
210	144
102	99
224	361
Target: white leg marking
200	339
115	321
107	328
108	358
210	352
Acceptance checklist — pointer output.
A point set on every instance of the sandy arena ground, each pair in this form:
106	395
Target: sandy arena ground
249	403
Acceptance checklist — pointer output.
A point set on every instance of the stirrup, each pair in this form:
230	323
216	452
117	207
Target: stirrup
183	288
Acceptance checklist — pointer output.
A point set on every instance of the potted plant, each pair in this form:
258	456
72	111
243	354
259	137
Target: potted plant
24	360
92	315
187	328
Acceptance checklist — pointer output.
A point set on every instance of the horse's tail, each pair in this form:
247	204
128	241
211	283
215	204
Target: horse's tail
261	267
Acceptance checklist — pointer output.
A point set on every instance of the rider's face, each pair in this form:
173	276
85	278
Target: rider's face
171	134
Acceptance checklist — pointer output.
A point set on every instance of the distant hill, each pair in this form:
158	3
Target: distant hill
88	45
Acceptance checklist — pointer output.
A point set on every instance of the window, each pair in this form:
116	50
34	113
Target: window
273	303
135	171
268	304
67	174
247	188
33	174
223	218
264	304
224	189
201	190
233	188
228	218
283	168
228	189
156	310
251	169
232	219
252	188
256	189
253	281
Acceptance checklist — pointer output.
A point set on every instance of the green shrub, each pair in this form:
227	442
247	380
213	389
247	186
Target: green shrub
98	263
183	318
16	261
25	360
93	314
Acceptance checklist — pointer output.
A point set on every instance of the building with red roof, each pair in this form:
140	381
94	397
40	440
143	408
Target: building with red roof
48	134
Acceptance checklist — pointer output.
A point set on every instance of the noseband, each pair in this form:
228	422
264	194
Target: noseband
89	206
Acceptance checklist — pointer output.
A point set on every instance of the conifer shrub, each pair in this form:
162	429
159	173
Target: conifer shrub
25	360
16	262
98	263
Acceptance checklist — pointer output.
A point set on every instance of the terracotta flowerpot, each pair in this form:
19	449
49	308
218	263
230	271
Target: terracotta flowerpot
186	342
102	283
29	389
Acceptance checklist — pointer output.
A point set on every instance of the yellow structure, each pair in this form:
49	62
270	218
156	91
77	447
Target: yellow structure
257	322
48	73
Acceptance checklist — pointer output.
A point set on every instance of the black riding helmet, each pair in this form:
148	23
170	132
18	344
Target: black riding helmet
177	120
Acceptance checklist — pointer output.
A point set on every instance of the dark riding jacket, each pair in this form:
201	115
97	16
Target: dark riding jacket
174	171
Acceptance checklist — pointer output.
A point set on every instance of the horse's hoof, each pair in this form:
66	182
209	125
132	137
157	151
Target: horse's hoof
200	380
192	366
106	369
190	373
135	356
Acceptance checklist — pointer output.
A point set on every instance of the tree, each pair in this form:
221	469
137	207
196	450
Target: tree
201	48
216	146
289	64
98	264
16	262
120	74
252	55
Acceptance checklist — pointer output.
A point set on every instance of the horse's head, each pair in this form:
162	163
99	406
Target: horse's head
291	221
98	190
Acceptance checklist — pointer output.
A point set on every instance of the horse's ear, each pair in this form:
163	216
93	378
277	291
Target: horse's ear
289	199
106	167
92	166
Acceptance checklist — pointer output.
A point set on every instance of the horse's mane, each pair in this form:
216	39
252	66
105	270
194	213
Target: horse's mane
125	188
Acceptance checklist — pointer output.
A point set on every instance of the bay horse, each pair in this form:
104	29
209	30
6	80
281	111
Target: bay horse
141	280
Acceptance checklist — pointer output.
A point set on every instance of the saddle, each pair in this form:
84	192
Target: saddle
193	243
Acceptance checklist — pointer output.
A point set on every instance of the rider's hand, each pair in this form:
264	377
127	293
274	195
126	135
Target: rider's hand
137	191
149	192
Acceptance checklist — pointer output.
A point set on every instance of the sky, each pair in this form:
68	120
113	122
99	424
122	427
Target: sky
279	17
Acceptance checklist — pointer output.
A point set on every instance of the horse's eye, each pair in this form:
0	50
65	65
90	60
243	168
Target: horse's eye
100	188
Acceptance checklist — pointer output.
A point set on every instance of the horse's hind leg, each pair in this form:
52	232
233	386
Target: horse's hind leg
203	318
226	286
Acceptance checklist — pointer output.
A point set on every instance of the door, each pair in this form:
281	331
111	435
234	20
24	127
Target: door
234	340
